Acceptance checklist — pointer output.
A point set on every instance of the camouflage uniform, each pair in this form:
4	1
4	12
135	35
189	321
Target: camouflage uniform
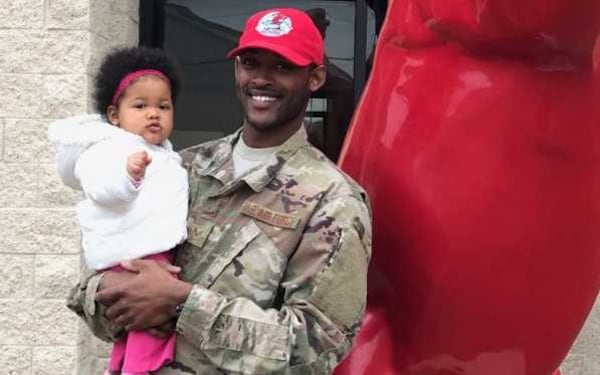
278	259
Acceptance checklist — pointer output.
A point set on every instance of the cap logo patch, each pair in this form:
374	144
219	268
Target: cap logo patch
274	24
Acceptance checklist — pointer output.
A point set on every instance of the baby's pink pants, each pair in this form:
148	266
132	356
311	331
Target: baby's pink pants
141	352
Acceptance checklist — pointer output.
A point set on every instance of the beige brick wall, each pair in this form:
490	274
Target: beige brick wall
584	358
49	50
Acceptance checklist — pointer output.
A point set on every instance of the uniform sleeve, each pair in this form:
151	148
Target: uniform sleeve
102	173
81	301
324	298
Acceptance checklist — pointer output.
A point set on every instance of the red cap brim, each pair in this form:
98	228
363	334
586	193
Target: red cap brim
283	51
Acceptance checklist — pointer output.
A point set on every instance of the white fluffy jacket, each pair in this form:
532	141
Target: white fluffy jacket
119	221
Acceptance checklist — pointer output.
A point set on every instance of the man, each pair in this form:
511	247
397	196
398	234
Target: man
273	273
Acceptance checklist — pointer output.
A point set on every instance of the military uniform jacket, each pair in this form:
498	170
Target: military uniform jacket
278	259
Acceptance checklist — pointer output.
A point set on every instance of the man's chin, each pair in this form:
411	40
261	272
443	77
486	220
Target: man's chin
261	125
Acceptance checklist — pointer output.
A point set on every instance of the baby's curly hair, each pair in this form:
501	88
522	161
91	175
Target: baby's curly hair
121	62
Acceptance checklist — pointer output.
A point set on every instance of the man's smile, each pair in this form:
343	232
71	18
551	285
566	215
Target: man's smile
262	99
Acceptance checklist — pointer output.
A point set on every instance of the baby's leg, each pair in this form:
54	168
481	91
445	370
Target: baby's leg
144	352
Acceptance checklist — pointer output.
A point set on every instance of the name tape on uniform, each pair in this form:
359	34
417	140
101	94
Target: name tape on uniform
269	216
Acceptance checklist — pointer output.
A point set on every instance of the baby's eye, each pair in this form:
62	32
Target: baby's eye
139	105
164	107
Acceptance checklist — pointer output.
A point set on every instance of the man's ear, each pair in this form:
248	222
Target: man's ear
236	62
317	78
112	114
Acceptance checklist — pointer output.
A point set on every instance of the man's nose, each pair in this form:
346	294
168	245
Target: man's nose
262	77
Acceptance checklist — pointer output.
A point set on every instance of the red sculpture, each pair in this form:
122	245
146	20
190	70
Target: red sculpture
478	140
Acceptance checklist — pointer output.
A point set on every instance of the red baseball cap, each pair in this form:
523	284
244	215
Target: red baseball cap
288	32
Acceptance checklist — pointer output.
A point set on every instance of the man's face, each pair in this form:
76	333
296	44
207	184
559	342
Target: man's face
273	91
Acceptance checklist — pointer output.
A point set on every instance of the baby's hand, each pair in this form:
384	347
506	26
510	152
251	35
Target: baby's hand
137	163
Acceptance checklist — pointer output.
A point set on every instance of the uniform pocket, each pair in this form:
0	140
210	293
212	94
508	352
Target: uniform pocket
341	290
228	248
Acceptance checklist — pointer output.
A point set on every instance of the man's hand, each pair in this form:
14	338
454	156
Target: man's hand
114	278
147	299
137	163
163	330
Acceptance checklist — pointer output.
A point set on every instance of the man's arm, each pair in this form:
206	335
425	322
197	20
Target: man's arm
146	301
81	301
313	329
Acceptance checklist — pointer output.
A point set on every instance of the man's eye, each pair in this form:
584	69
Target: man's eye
284	66
248	62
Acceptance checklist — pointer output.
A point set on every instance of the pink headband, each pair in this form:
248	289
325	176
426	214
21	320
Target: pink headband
126	81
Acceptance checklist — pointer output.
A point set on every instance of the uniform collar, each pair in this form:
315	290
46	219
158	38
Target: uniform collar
257	178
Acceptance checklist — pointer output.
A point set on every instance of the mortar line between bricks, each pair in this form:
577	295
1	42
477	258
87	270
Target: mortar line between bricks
50	346
43	29
42	119
45	14
31	359
3	139
3	28
85	73
88	26
43	254
29	162
57	209
34	269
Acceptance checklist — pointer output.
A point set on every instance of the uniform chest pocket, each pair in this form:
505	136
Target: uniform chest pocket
253	270
228	247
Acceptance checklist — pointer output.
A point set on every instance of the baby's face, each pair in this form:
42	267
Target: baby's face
146	109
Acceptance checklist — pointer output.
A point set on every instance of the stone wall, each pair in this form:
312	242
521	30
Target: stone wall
49	50
584	358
